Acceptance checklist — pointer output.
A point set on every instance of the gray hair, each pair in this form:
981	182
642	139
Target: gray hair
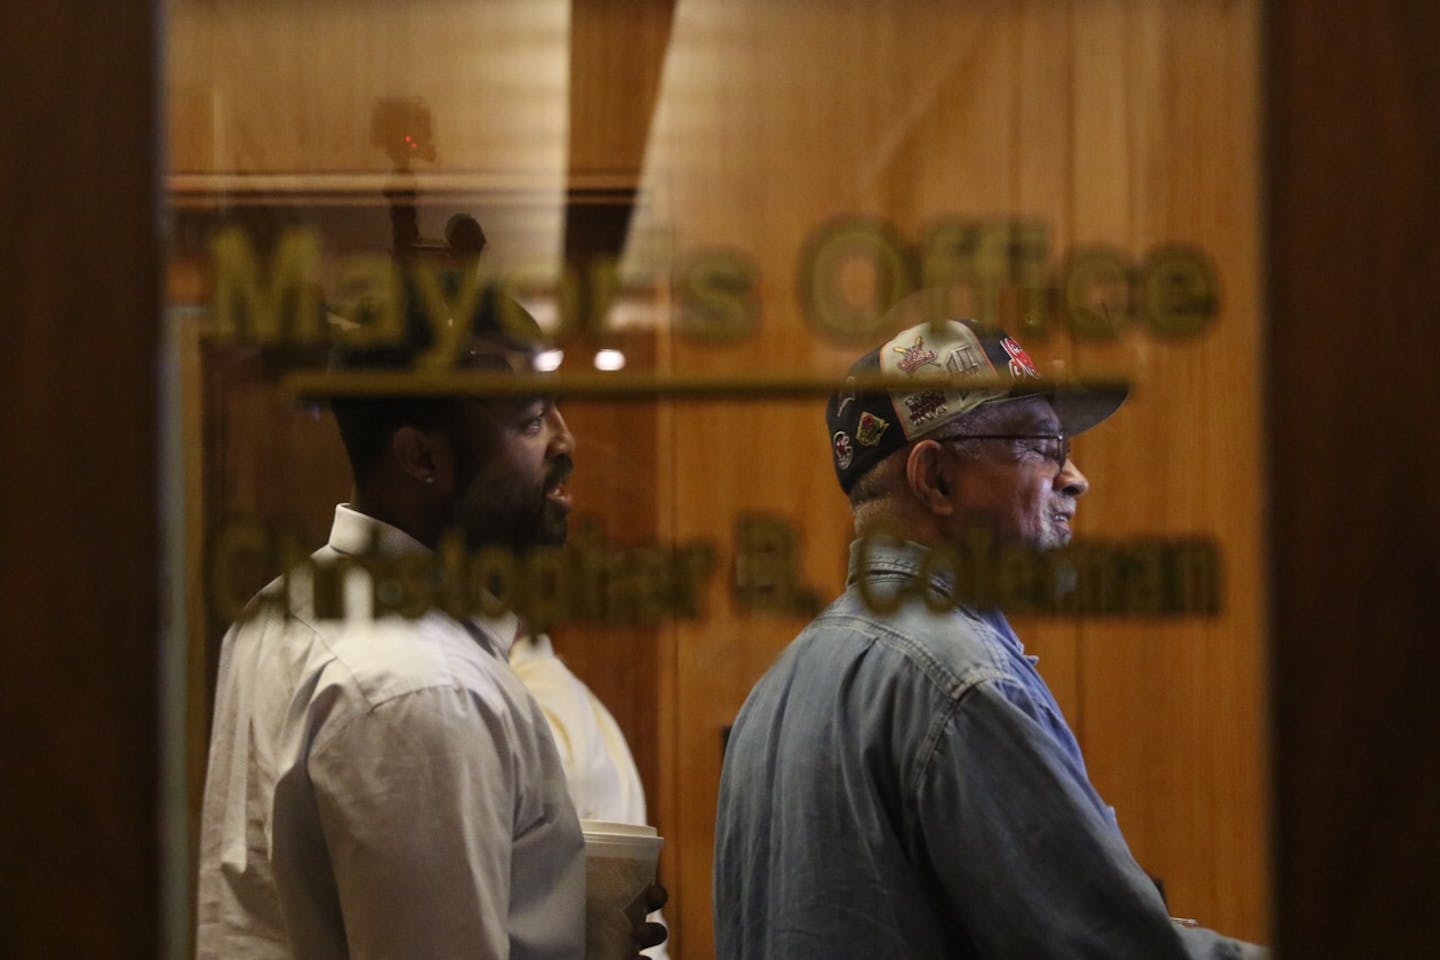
875	483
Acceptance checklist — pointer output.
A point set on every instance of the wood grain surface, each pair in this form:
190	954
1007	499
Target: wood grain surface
1353	248
80	508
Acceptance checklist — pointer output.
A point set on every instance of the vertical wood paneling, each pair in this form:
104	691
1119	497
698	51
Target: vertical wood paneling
79	511
1177	744
1353	249
617	450
617	53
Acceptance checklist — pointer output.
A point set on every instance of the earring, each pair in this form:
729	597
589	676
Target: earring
430	479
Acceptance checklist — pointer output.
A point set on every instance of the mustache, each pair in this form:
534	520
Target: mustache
560	472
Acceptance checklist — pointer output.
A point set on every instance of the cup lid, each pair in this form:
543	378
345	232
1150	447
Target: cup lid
615	829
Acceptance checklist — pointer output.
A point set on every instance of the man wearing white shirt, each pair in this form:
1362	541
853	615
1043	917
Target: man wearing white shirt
384	786
600	771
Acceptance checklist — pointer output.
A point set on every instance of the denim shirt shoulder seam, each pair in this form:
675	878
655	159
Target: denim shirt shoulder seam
947	683
931	744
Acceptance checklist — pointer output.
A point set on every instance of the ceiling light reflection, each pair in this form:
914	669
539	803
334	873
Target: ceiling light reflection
609	360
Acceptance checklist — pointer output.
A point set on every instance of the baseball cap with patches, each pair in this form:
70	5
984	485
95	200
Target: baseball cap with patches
866	427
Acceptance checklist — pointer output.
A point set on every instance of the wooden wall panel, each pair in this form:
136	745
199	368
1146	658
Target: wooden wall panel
285	96
1353	249
80	508
617	55
289	87
1166	161
615	485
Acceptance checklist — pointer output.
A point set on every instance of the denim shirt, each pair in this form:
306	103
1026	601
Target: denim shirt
904	785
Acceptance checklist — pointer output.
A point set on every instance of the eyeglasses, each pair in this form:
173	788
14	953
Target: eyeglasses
1056	446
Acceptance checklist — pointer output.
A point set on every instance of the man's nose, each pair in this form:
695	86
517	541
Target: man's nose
561	439
1070	480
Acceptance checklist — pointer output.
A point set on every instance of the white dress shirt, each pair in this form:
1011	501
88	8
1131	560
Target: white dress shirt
599	768
382	788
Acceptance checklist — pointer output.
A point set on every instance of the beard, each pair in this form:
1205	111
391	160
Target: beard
512	511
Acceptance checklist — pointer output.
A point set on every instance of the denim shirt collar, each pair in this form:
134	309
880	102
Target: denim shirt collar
881	556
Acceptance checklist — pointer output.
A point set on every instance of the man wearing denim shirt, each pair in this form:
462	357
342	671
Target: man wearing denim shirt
901	782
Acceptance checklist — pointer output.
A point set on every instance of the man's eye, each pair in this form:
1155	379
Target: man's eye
1055	448
530	417
1045	447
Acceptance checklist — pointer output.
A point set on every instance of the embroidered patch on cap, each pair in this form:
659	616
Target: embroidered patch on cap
915	356
1020	363
870	430
925	407
844	450
847	398
924	353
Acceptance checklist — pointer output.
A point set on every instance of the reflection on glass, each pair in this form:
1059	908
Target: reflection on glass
687	190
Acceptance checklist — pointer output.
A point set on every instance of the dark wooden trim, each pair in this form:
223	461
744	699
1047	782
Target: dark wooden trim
1353	206
617	58
79	270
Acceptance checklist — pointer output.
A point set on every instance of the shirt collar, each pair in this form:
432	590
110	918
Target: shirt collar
354	533
892	555
502	630
531	648
881	554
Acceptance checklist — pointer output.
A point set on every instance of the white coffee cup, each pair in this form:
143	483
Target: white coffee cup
620	860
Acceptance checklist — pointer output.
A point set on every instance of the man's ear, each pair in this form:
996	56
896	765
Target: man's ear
925	475
421	454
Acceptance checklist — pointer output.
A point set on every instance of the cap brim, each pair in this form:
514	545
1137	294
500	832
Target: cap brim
1080	408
